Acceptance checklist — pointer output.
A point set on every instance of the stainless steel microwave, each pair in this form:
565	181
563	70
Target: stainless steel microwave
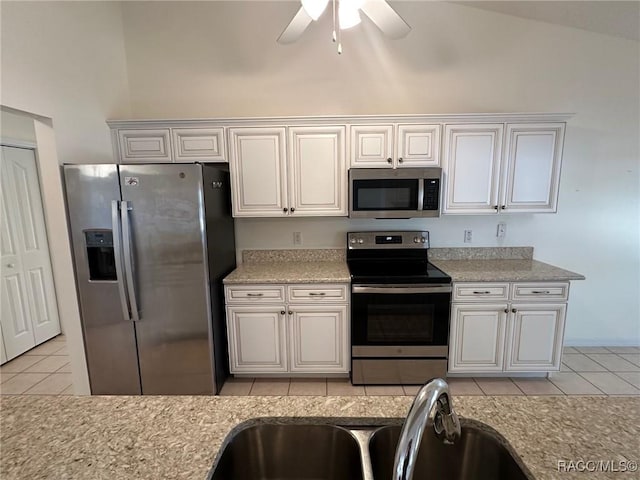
394	193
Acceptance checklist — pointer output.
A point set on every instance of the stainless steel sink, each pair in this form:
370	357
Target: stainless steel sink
289	452
480	453
323	448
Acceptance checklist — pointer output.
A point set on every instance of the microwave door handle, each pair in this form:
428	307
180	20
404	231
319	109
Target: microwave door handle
117	253
128	260
420	193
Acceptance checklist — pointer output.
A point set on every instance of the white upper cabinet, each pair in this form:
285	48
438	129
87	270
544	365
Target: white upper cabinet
138	146
317	171
484	178
531	180
310	181
395	146
471	162
371	146
258	171
198	144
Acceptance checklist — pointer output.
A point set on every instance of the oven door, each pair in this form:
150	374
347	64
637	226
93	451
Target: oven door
412	316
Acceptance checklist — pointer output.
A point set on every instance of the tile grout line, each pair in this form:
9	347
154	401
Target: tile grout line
593	385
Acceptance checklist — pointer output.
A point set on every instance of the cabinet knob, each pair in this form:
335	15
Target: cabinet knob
503	207
400	160
506	310
513	310
282	312
285	209
290	312
293	209
389	160
495	207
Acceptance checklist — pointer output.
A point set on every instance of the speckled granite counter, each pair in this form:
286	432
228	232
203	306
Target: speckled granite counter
497	264
178	437
504	271
291	266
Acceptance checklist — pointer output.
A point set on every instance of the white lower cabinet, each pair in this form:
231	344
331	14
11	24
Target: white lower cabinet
508	337
477	338
308	333
256	339
318	339
534	341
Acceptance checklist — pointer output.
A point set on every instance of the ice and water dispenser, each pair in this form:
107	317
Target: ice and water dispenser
102	265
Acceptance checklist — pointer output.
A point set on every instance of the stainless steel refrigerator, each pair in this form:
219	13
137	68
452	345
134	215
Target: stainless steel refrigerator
151	245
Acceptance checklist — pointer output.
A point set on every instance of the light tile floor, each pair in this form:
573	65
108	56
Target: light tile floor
585	371
43	370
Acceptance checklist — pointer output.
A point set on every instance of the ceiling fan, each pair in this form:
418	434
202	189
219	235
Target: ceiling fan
348	15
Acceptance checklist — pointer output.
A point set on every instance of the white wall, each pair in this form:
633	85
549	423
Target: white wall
65	61
208	59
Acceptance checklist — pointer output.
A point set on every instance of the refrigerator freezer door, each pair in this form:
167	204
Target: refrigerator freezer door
109	336
167	231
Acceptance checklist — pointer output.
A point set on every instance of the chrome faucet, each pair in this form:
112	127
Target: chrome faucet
433	400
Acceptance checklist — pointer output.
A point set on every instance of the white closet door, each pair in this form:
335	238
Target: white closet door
29	308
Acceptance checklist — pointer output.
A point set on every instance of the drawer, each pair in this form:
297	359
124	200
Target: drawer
254	294
317	293
480	292
540	291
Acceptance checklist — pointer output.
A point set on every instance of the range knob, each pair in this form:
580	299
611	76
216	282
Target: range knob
353	240
416	239
360	241
423	240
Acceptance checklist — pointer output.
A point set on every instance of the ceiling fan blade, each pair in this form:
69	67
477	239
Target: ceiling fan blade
386	18
296	27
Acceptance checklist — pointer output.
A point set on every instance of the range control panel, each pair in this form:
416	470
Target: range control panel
375	240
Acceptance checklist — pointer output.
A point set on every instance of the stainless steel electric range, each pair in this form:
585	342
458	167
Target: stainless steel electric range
400	306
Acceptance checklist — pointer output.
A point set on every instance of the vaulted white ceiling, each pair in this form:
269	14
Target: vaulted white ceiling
610	17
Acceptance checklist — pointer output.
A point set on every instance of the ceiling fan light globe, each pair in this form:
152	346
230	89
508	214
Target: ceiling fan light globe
348	16
314	8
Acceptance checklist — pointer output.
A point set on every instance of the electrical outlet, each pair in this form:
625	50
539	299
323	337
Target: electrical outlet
468	236
502	230
297	238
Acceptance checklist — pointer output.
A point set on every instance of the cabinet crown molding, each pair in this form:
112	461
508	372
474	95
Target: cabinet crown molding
344	119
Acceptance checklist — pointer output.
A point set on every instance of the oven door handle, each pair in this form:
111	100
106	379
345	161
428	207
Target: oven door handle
400	289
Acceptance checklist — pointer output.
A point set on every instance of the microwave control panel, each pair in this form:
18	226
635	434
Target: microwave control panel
431	194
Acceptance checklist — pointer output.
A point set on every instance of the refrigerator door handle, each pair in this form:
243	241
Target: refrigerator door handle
117	250
128	259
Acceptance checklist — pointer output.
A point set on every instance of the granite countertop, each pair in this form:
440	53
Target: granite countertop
291	266
509	270
177	437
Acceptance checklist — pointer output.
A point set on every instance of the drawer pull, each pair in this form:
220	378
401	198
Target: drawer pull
255	294
317	294
477	292
541	292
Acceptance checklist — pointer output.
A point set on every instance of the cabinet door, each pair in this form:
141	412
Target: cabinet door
418	146
371	146
198	144
319	340
535	337
471	163
144	145
257	339
476	342
318	174
257	161
532	172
